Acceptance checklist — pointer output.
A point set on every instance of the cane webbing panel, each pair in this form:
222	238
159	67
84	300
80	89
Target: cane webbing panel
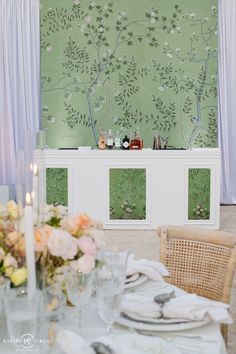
197	266
200	261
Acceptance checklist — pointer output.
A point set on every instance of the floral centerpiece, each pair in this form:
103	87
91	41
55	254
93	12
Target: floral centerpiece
61	243
11	245
67	242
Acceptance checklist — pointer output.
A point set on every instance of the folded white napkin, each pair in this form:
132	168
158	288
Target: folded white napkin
194	307
121	343
141	305
189	306
72	343
154	270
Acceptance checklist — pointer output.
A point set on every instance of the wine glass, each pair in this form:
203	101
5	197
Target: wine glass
109	292
79	288
117	259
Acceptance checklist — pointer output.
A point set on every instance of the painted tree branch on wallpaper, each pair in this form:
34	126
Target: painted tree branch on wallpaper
104	80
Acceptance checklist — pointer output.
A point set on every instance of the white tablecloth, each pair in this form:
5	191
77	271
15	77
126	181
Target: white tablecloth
206	339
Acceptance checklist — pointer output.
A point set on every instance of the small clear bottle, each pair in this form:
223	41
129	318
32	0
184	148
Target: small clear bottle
110	140
117	141
102	140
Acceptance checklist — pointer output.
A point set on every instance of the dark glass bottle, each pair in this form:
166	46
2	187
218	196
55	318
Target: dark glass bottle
125	143
136	142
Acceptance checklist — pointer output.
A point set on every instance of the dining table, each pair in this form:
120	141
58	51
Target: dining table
139	338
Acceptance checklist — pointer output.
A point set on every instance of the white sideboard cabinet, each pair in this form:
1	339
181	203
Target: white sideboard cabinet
136	189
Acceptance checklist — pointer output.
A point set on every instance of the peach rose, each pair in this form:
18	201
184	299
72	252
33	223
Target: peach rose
86	245
83	221
41	236
69	224
12	237
20	247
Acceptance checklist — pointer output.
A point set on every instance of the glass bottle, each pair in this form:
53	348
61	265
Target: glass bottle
102	140
117	140
136	142
110	140
125	143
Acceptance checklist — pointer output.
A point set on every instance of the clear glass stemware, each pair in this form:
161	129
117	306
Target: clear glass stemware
79	288
109	292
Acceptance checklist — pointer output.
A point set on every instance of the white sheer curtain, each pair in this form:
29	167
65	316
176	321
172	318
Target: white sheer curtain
227	99
19	79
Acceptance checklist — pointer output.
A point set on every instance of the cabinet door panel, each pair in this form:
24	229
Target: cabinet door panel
199	186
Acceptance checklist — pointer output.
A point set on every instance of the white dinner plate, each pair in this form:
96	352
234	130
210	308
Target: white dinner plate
140	280
131	278
161	327
148	320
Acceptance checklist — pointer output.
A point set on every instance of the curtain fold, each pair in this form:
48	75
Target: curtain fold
227	99
20	79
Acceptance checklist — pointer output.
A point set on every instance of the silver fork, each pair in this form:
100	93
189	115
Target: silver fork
203	338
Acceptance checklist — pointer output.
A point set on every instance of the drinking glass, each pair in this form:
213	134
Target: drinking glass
4	286
21	313
109	292
53	300
117	259
79	287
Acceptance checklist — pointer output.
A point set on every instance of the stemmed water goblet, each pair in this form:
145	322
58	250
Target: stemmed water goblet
110	285
79	287
109	292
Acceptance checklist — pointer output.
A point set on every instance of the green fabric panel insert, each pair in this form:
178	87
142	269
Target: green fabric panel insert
127	193
57	186
199	184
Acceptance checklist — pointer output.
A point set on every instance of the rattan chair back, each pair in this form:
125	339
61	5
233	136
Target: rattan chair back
199	261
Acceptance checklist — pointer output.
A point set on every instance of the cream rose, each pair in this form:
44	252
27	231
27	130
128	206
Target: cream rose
19	276
9	261
69	225
12	209
62	244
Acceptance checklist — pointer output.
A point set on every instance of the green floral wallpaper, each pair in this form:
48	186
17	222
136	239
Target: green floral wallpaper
122	64
127	193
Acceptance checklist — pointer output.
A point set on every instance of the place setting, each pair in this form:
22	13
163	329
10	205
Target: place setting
170	310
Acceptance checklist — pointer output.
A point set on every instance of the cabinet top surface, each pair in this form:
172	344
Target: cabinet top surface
95	153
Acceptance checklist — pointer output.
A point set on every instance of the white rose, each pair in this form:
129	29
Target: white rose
9	261
62	244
